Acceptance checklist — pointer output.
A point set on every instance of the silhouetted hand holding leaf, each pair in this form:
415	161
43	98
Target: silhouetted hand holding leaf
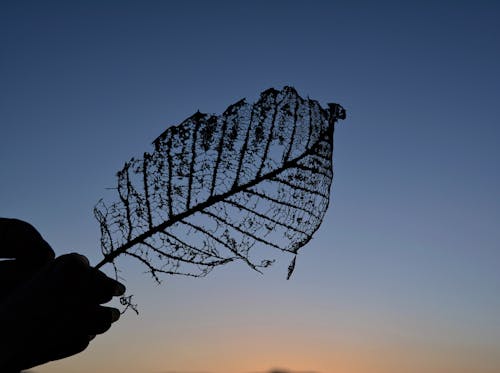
49	308
215	188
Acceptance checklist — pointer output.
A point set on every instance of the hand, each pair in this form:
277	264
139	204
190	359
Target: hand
49	308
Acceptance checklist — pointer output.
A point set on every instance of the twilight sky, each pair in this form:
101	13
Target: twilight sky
403	275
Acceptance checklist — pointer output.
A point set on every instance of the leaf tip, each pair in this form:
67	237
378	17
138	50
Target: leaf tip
291	268
336	112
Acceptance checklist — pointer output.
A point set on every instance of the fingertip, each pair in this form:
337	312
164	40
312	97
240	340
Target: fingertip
115	315
99	320
105	288
119	289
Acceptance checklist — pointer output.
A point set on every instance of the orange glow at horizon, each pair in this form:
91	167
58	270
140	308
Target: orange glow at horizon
240	349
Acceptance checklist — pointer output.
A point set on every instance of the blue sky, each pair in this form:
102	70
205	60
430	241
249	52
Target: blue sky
407	257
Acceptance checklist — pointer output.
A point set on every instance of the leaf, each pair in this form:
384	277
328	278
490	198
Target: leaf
222	188
291	268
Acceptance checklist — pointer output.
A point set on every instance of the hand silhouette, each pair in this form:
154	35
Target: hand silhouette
49	308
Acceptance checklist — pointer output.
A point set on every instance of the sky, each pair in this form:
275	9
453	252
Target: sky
402	275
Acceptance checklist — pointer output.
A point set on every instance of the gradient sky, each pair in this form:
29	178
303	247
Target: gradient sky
403	275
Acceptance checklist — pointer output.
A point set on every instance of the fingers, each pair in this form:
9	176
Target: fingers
99	319
103	288
83	282
57	312
20	240
62	333
79	327
56	337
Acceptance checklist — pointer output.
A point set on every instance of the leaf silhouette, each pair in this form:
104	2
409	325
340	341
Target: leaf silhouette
222	188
